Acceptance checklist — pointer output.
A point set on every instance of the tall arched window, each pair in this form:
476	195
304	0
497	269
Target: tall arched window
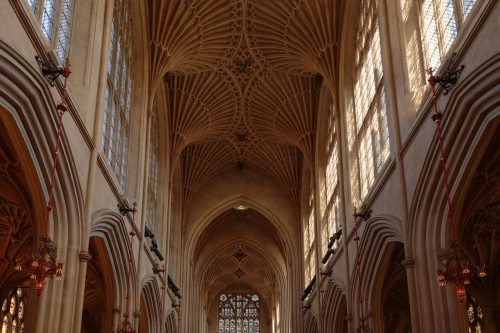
239	313
154	151
118	93
368	135
330	222
13	311
55	18
440	22
309	242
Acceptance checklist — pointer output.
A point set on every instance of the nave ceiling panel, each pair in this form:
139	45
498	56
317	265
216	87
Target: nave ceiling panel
242	76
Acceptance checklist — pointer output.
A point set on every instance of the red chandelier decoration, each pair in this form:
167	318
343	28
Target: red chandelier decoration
455	267
41	263
125	326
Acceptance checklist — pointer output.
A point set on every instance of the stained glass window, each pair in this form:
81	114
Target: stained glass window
368	134
13	311
154	152
118	93
55	18
309	242
440	22
330	222
474	315
239	313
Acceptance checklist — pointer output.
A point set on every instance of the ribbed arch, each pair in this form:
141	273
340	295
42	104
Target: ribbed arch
378	233
474	101
334	306
152	297
310	323
111	228
26	98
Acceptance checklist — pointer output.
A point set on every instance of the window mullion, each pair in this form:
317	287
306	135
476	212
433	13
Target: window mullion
458	11
57	20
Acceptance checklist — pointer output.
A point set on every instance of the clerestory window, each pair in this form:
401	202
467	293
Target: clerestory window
55	17
330	222
440	22
367	126
118	93
154	152
309	242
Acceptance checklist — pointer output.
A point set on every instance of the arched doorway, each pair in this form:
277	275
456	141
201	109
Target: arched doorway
21	214
171	322
393	310
99	290
143	319
480	237
334	309
310	324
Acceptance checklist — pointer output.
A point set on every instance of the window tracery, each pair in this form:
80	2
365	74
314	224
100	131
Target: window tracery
118	92
13	311
55	17
368	134
239	313
330	219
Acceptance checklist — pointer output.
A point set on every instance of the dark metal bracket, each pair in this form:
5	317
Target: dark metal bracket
125	209
157	270
364	215
449	78
49	70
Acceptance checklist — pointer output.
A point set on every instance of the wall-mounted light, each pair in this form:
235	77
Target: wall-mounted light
240	207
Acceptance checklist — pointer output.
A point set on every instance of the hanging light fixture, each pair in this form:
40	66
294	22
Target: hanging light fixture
455	267
41	263
125	326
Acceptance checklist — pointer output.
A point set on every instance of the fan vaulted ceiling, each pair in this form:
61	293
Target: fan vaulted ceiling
243	82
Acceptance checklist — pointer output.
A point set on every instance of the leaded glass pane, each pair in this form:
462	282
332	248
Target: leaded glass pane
367	121
33	5
467	7
64	31
106	122
309	242
119	67
430	34
48	18
448	24
111	47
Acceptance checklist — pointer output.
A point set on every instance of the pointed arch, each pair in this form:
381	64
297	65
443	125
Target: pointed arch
152	300
334	309
111	228
310	323
28	103
171	322
474	101
380	231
